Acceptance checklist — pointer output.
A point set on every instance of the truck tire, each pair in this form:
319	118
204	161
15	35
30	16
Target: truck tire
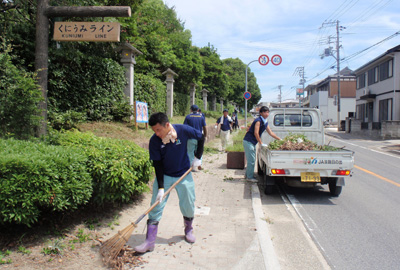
260	170
334	189
269	189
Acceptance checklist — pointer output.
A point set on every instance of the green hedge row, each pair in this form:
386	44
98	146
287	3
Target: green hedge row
120	169
77	169
35	177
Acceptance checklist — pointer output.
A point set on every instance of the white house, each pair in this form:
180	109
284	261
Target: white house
378	84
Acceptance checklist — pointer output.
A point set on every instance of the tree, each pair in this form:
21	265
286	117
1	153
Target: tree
215	79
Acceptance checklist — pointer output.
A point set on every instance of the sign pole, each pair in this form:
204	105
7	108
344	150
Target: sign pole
263	60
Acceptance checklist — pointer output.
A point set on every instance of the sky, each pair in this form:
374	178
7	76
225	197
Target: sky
297	31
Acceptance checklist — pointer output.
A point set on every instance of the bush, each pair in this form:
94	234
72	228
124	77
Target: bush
181	104
121	111
19	98
120	169
86	83
151	90
65	120
36	177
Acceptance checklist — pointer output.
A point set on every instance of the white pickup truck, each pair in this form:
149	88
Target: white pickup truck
301	168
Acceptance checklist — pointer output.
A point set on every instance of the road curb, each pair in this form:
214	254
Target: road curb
267	249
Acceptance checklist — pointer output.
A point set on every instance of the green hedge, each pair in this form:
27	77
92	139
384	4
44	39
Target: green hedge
19	98
120	169
35	177
151	90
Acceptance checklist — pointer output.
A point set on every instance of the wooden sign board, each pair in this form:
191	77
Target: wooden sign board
87	31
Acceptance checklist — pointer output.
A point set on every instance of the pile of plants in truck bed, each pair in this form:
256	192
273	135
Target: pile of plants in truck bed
299	142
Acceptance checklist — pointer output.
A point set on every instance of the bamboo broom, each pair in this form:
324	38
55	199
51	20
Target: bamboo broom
112	247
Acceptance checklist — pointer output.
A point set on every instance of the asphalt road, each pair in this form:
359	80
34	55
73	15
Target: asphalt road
359	229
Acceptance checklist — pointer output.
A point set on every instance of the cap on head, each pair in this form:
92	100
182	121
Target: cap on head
194	108
225	110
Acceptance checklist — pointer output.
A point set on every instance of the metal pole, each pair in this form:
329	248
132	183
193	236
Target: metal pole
245	101
338	71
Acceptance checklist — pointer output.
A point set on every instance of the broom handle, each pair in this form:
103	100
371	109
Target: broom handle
165	194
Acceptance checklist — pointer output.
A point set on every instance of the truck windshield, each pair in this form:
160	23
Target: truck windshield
292	120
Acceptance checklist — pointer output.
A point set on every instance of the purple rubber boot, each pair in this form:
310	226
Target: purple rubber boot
189	237
149	243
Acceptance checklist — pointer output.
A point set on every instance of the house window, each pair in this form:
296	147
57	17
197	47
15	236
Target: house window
373	75
360	112
386	70
385	109
361	81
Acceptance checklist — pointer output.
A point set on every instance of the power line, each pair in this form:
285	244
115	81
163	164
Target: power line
359	52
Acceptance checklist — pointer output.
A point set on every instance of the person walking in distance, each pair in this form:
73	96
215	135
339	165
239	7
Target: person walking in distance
224	124
197	121
252	137
168	151
235	123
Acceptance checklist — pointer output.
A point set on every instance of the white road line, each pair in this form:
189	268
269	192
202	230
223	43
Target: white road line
267	248
363	147
309	223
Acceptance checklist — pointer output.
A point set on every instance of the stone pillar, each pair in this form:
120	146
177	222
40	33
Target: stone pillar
170	91
192	92
214	103
204	92
221	100
128	53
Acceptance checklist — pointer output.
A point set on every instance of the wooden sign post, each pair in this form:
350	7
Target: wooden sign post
44	12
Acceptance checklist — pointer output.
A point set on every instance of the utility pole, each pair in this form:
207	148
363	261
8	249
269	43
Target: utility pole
280	94
328	52
338	72
300	72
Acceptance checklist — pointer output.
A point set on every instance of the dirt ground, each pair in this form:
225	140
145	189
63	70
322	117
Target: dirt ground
73	241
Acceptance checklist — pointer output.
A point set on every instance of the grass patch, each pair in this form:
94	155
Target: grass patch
55	248
237	141
4	254
24	250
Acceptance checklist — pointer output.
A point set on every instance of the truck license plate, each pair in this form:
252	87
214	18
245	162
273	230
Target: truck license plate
310	177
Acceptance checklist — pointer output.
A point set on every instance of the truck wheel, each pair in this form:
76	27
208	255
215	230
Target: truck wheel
259	169
269	189
334	189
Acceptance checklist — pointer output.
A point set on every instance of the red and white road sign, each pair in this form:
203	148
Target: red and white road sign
276	59
263	59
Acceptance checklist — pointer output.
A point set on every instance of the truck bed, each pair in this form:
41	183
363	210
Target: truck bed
295	162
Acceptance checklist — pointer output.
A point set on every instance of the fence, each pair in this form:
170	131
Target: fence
378	130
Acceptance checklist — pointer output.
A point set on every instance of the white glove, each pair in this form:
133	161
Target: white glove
264	145
196	162
160	195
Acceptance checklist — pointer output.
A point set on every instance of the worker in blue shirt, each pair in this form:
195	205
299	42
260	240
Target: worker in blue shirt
224	127
168	151
197	121
252	137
